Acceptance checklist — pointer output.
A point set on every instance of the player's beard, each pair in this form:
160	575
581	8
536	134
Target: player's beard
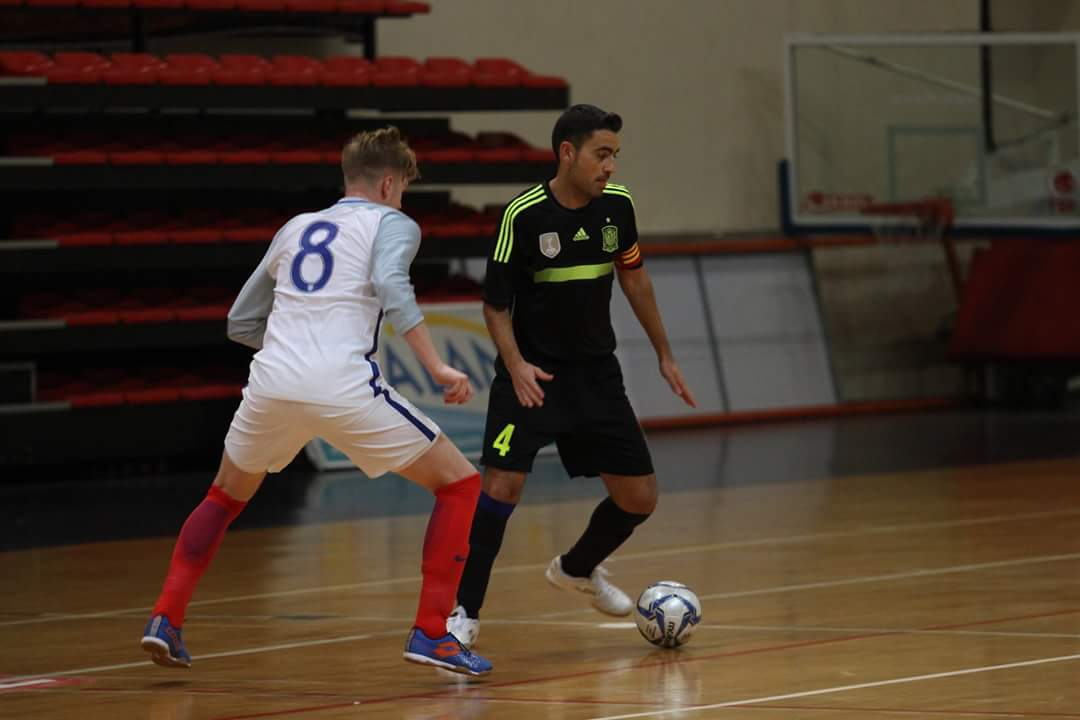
593	186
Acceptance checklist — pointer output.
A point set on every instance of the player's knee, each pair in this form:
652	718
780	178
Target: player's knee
503	486
639	497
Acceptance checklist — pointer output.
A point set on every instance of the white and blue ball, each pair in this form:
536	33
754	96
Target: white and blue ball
667	613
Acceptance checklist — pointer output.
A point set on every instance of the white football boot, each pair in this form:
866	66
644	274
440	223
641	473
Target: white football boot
463	627
605	597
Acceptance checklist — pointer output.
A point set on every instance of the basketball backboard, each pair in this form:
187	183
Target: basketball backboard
987	120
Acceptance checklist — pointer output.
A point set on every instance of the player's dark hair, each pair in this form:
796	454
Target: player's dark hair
371	153
579	122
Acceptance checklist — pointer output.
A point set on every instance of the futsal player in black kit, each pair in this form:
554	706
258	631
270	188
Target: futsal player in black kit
547	305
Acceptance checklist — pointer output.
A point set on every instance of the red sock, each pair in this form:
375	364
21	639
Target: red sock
446	546
195	548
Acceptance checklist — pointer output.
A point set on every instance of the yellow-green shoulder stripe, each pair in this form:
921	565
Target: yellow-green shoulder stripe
621	190
506	231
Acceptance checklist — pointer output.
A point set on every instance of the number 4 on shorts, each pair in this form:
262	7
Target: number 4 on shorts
502	442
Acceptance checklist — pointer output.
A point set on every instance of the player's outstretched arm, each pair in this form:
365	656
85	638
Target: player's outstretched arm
456	387
523	374
638	288
248	314
396	243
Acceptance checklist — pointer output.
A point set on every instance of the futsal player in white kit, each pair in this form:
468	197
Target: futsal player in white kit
313	308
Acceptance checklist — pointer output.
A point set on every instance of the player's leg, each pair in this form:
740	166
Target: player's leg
612	446
631	499
392	434
500	495
512	437
262	438
455	483
199	539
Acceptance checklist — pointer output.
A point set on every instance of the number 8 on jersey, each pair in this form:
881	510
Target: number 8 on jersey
321	249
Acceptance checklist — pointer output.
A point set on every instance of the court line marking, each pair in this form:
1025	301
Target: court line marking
863	579
512	683
843	688
26	683
923	713
45	676
897	631
733	544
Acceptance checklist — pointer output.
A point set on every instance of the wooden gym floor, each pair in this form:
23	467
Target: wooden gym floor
920	566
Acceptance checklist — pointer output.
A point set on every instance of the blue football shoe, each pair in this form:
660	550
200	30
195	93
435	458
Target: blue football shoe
446	652
164	644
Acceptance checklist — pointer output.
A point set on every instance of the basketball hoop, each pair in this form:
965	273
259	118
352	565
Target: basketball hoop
922	221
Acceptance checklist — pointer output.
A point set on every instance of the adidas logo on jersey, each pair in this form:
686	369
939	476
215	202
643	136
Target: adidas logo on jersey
581	235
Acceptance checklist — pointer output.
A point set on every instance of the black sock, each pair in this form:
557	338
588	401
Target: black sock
609	527
485	539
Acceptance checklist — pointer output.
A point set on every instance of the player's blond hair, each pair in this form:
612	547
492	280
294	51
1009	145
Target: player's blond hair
370	154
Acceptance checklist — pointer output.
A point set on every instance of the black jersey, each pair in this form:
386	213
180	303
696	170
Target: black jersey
554	266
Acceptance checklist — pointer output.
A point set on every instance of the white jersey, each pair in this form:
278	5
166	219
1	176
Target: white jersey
328	294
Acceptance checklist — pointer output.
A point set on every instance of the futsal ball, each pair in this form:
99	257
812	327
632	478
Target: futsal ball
667	613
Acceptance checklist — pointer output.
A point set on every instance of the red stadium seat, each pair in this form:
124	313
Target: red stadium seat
447	148
85	238
77	68
396	72
296	70
398	7
133	150
188	69
211	4
347	71
311	5
373	7
497	72
212	391
24	63
537	155
195	227
242	70
542	81
499	147
446	72
133	69
243	150
188	151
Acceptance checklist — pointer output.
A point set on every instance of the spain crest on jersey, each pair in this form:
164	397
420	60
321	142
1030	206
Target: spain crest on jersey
549	244
611	238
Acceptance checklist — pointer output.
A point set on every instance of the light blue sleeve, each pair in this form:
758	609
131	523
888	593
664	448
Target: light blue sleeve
396	244
248	314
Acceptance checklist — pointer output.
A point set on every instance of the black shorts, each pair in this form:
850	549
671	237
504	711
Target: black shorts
586	414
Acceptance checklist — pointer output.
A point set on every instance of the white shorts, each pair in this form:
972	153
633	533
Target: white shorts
384	434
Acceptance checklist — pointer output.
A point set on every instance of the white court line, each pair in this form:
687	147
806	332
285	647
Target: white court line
841	534
931	572
25	683
883	631
45	677
862	579
734	544
841	688
212	620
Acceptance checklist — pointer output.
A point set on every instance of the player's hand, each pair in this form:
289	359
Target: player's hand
674	377
456	387
524	376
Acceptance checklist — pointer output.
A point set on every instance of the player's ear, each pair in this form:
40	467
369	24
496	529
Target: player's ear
566	151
